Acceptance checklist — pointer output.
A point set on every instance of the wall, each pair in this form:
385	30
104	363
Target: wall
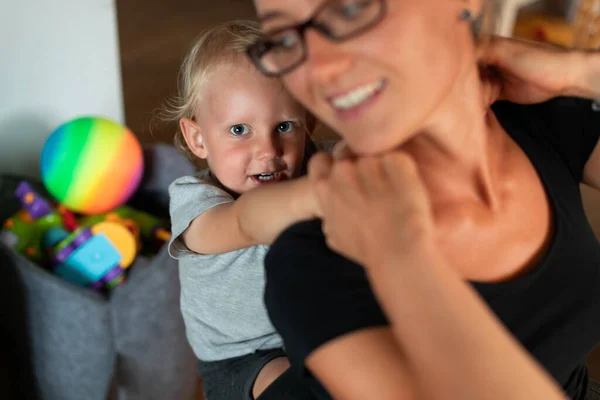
60	60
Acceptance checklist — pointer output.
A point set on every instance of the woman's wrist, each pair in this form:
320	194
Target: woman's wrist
584	79
419	252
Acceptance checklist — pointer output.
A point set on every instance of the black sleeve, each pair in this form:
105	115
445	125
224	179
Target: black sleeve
313	294
572	127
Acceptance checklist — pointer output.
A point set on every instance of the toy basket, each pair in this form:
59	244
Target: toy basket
84	345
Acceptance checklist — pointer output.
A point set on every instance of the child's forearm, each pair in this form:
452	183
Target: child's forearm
450	335
263	213
256	217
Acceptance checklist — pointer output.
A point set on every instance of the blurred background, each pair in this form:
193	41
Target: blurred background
65	58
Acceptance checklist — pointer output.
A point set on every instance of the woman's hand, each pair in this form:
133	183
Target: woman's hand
528	72
373	208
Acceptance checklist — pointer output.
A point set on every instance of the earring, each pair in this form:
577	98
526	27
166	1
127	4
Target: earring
466	15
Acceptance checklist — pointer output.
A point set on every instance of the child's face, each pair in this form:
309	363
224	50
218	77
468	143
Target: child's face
248	128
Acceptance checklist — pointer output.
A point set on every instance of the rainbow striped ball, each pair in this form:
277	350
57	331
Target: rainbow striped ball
92	165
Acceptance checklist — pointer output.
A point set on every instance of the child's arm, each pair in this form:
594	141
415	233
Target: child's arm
256	217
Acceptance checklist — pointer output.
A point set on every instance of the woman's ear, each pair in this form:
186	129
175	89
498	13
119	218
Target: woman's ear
193	137
474	6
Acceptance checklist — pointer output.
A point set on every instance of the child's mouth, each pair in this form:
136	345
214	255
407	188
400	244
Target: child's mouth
268	178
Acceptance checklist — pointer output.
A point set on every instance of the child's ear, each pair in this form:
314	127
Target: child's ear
193	137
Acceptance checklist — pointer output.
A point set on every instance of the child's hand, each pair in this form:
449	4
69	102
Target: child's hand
373	208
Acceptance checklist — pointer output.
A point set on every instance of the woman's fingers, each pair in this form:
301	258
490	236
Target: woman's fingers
403	176
487	51
341	151
371	204
401	171
371	175
529	72
345	181
319	166
500	51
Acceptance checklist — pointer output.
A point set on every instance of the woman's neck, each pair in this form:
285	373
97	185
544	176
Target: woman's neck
460	150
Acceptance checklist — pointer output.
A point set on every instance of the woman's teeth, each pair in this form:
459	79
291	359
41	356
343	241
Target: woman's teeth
357	96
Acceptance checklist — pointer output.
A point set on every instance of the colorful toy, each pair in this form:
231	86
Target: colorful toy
24	231
93	251
150	232
86	258
91	165
121	238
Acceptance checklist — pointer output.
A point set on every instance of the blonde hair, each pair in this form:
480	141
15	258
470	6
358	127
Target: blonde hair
220	44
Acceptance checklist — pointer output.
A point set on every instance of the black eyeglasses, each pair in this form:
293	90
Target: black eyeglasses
282	50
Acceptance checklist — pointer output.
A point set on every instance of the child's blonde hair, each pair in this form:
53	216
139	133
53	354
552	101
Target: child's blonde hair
220	44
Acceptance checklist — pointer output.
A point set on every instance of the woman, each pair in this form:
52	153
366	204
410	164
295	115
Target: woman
501	206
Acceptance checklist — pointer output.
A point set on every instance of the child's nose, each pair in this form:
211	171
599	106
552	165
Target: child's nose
267	148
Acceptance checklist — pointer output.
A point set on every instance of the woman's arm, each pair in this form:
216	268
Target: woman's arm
450	336
530	72
586	79
366	364
376	212
256	217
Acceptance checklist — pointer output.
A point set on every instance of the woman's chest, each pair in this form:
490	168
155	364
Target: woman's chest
492	244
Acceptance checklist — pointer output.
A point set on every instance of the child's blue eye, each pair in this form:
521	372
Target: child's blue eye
285	126
239	129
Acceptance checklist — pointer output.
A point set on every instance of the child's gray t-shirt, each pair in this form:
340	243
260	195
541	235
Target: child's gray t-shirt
221	295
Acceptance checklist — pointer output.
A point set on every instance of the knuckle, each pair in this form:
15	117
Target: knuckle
372	163
402	167
321	189
343	169
416	227
398	158
318	159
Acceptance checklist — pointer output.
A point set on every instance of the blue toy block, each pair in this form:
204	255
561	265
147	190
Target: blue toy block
90	262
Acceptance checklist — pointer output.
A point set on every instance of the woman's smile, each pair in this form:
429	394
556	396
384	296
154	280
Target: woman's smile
354	103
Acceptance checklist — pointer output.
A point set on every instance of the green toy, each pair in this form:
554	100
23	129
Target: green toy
24	231
149	231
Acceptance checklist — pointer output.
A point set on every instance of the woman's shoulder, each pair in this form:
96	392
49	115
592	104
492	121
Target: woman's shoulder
561	109
567	126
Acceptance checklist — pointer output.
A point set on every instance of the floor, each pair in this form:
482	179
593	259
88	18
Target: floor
154	35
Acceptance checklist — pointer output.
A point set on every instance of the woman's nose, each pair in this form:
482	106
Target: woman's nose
325	60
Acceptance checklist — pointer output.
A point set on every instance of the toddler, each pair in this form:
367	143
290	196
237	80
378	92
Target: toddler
255	139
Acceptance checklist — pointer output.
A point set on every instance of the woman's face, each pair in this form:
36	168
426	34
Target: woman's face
383	86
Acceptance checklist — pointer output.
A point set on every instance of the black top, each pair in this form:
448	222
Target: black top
314	294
